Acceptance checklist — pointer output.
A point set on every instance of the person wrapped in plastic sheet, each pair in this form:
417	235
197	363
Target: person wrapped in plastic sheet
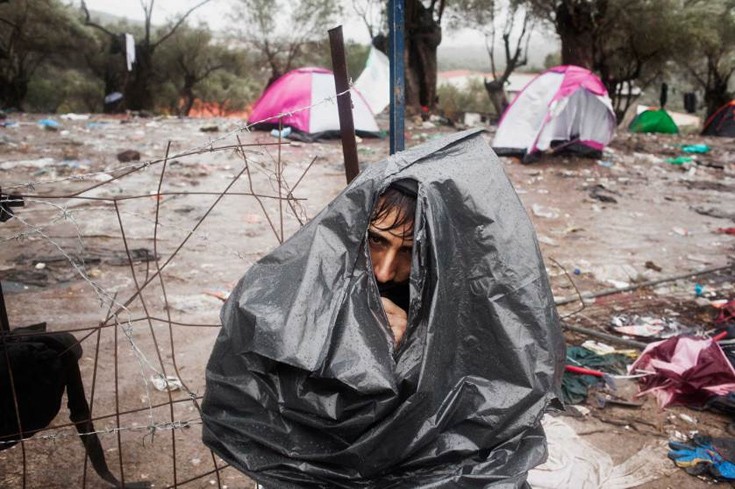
307	386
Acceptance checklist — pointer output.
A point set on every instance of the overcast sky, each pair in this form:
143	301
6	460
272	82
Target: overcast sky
216	14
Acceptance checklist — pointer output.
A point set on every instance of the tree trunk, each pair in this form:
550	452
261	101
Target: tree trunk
138	94
497	96
187	96
715	97
114	82
423	36
575	24
13	93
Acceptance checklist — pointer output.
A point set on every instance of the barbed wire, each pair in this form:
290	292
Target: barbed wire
148	428
121	313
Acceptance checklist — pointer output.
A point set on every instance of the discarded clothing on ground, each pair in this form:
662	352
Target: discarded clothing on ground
705	455
304	387
684	370
575	386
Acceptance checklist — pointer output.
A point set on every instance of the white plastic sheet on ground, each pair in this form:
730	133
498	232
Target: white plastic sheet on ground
574	463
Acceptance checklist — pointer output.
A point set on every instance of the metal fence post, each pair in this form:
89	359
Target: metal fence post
396	25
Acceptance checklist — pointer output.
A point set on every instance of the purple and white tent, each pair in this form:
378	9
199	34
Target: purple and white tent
565	108
305	100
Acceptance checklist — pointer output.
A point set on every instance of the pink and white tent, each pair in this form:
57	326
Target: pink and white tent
566	107
306	99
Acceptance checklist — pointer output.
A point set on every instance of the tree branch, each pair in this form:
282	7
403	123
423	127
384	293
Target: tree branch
178	23
88	21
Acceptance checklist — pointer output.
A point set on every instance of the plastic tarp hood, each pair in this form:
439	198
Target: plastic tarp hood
304	386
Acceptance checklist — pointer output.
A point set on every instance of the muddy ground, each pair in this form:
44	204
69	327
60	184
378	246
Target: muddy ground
627	218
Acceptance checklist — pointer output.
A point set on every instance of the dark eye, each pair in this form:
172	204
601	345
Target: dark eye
374	239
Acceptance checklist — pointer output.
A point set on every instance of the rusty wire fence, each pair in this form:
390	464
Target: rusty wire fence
145	264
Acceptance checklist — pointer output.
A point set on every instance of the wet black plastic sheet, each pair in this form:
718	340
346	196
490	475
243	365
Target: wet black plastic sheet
304	388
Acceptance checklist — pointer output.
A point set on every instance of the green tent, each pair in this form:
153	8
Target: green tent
654	121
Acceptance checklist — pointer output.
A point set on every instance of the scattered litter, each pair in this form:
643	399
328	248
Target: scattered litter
680	231
96	125
40	265
581	410
113	97
163	384
688	418
128	155
680	160
547	212
220	293
39	163
283	133
599	192
619	276
652	266
695	148
649	327
606	164
698	290
209	129
730	231
597	347
75	117
547	241
602	399
49	124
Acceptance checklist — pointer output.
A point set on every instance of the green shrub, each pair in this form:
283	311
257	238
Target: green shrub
454	102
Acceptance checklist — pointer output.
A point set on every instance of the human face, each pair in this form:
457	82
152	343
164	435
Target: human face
390	249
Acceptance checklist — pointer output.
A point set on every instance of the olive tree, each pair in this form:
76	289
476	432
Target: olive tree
33	33
282	32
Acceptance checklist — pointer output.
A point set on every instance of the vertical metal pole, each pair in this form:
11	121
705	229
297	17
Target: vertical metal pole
4	323
396	25
344	103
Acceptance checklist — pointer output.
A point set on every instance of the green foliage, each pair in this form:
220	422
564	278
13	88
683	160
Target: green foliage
552	59
64	90
453	102
357	55
281	31
189	58
707	30
229	92
35	33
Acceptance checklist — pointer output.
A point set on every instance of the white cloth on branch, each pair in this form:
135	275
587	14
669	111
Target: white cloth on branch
129	50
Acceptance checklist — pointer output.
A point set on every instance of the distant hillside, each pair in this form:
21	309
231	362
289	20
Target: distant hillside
104	18
474	56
